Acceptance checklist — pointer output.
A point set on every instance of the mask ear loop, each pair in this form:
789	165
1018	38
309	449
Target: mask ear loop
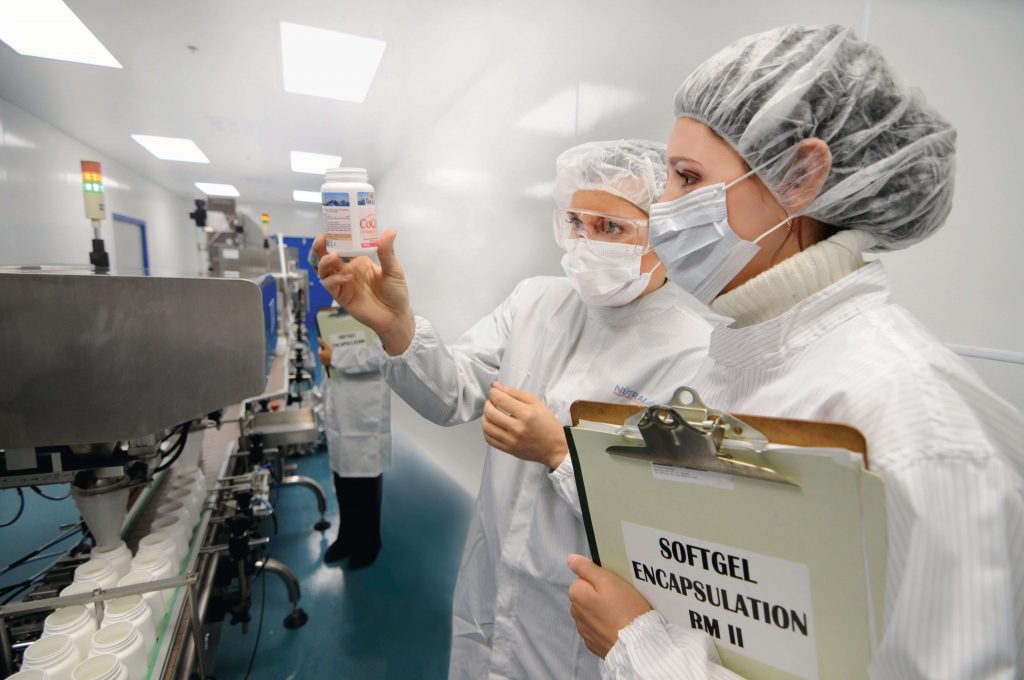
789	218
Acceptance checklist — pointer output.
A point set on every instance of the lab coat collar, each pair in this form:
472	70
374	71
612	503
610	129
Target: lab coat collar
777	340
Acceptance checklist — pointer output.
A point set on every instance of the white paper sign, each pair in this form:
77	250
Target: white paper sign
756	605
229	253
346	340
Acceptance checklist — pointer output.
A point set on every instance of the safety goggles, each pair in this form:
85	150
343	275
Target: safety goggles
571	225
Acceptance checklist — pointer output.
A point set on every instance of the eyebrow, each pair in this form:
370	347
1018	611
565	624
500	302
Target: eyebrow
675	159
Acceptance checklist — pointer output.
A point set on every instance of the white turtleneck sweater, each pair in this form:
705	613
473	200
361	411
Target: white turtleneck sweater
818	338
776	290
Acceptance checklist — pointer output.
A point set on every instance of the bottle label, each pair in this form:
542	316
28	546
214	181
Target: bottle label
367	219
337	220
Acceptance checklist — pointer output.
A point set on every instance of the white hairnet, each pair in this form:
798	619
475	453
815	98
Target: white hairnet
892	155
633	169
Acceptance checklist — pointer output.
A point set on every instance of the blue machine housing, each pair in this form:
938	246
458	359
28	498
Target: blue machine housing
268	287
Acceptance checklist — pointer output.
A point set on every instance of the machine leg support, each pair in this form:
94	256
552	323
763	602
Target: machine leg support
298	617
318	491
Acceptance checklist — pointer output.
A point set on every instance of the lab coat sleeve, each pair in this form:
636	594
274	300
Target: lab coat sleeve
359	359
650	648
563	479
954	604
448	385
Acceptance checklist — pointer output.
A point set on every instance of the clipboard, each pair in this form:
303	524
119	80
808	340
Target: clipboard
341	330
767	533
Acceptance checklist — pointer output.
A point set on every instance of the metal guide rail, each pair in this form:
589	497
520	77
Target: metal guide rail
179	648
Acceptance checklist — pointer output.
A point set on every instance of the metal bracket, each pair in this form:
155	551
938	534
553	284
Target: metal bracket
689	434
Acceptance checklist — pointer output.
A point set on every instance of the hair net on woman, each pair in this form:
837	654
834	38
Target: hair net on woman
892	155
633	169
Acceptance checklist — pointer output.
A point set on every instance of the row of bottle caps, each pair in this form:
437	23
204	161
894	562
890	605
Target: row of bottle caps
76	644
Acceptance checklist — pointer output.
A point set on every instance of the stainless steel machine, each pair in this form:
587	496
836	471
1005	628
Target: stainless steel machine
104	382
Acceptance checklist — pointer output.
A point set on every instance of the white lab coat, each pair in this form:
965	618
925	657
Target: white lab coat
511	610
951	454
357	412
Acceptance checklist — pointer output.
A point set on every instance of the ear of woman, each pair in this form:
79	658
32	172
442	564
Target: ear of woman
809	168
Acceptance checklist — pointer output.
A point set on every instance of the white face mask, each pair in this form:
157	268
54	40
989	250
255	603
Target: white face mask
605	274
692	236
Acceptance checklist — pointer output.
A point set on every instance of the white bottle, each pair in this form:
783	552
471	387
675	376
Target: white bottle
159	566
178	510
102	667
193	504
122	639
55	654
133	609
173	527
81	588
99	571
77	622
156	599
119	556
192	477
350	212
163	543
31	674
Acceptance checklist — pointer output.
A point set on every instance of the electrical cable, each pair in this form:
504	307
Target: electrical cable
25	558
263	596
51	498
259	628
21	509
174	452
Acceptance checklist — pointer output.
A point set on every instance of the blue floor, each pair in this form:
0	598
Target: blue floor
391	620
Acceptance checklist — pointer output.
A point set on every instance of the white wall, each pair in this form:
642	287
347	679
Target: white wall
43	210
469	190
964	283
470	200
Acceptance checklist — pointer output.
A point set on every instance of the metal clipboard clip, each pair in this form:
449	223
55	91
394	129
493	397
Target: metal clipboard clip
688	433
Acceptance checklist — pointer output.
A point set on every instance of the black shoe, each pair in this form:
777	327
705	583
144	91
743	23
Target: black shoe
362	559
337	551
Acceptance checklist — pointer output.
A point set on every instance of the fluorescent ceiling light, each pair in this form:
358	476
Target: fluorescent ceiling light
328	64
217	189
306	196
49	29
313	163
172	148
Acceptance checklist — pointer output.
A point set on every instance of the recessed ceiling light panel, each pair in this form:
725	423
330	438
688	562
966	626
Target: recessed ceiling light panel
306	196
49	29
328	64
313	163
217	189
172	148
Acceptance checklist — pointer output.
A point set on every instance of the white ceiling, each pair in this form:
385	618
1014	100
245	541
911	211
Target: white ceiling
464	87
227	95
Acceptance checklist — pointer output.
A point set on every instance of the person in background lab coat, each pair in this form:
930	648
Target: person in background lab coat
802	141
611	330
357	419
